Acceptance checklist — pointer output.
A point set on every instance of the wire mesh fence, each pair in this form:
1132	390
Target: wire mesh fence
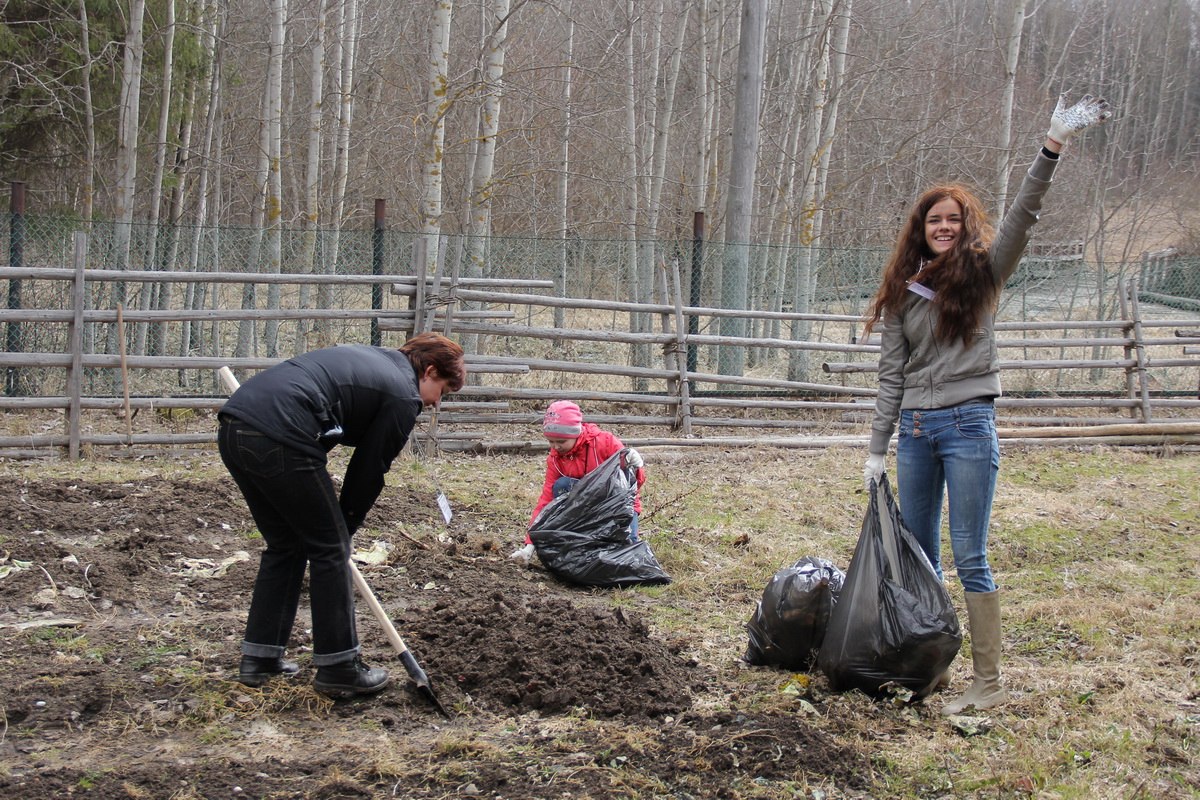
793	287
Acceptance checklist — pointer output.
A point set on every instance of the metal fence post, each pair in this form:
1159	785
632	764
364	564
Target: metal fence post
693	322
75	346
16	258
377	266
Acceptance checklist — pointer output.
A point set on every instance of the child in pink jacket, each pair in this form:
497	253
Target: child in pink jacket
576	448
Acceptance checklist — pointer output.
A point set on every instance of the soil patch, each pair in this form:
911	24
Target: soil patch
121	614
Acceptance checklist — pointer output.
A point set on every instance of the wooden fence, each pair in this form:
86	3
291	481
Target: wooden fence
663	394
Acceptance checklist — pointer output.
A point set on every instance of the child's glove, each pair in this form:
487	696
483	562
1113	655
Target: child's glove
1068	121
634	459
522	554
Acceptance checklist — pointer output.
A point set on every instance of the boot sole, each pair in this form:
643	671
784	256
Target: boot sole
341	691
257	679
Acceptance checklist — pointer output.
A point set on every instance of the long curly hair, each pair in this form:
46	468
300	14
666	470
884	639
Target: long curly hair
961	277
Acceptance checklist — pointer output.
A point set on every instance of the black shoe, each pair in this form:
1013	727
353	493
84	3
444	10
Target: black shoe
257	670
350	678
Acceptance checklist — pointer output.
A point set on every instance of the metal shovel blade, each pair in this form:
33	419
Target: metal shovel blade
422	681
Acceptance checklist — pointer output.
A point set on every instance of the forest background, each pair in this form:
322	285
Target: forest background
803	123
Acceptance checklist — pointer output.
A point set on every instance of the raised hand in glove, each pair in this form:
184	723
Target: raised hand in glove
634	459
873	471
522	554
1070	120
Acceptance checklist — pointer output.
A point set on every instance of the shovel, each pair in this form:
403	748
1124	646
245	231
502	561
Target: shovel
406	657
360	583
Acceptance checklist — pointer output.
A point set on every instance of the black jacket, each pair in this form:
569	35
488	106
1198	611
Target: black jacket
357	395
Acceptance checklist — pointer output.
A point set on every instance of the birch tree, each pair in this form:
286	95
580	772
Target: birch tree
89	116
259	212
660	134
564	171
274	209
214	19
127	151
1004	151
630	163
150	291
437	103
346	65
312	167
479	194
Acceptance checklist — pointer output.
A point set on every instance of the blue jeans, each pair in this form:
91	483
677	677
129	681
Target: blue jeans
295	507
956	451
564	484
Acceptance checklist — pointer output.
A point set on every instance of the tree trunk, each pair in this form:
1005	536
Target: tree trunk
127	147
274	209
1004	151
437	103
312	169
740	203
565	169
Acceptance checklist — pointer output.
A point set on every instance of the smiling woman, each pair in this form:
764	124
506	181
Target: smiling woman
939	376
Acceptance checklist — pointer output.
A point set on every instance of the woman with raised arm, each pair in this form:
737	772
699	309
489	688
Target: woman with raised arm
939	377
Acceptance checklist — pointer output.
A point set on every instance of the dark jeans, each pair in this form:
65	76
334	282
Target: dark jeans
295	507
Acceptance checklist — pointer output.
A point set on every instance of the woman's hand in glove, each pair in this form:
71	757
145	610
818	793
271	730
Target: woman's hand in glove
873	471
1070	120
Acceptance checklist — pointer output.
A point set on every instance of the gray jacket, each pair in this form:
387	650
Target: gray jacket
916	369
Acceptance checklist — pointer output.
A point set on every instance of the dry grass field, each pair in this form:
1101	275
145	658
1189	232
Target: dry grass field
125	583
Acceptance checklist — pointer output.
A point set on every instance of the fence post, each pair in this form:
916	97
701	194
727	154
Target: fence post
693	322
377	267
13	339
417	303
75	345
683	417
1129	291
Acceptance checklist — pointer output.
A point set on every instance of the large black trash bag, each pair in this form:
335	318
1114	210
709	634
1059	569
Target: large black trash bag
894	622
583	536
789	623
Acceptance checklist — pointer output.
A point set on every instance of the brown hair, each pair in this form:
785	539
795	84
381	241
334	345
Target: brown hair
962	276
445	356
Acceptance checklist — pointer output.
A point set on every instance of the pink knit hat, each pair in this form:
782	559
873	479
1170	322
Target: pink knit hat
563	420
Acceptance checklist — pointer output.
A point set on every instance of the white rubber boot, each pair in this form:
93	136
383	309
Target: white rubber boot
985	691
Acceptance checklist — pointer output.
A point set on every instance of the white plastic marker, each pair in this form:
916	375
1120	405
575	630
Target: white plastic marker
442	501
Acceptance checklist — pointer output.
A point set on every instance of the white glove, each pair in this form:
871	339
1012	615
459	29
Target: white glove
1068	121
634	459
873	471
523	554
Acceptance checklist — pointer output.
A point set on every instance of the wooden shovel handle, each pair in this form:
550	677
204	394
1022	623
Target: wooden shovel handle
381	616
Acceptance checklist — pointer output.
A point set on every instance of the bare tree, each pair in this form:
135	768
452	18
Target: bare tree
739	216
127	150
312	165
1015	23
436	105
565	166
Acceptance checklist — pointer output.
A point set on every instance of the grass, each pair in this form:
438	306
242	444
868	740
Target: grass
1096	552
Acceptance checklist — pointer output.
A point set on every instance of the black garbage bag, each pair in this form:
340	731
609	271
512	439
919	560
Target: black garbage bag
789	623
583	536
894	622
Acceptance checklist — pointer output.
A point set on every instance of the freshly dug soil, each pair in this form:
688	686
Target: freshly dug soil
123	608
